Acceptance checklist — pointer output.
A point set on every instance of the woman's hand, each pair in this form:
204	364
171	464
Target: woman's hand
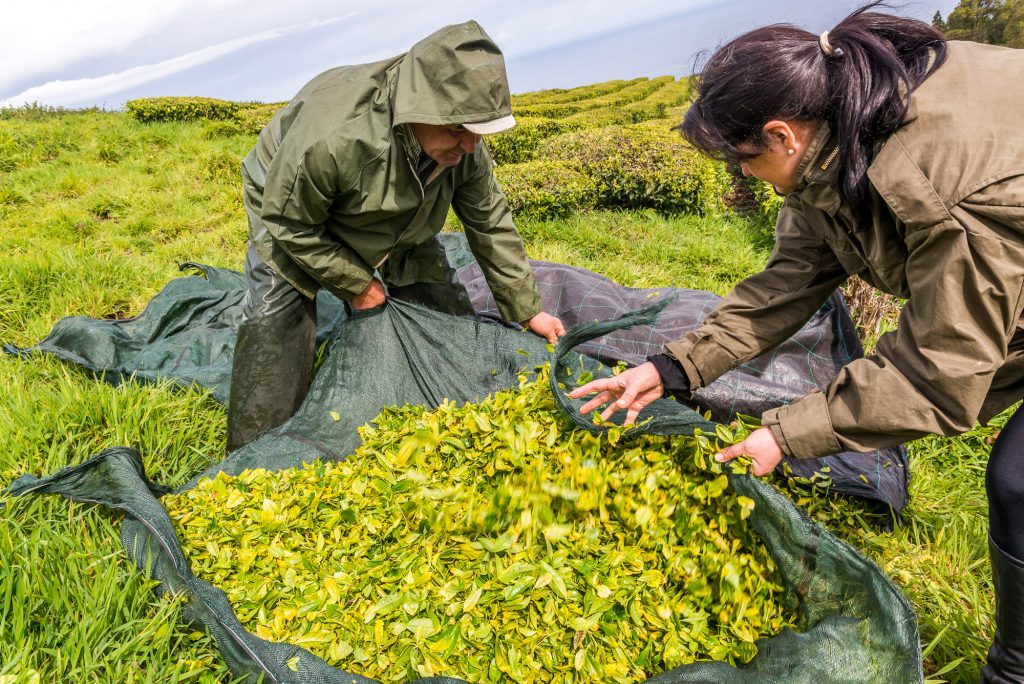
761	446
369	298
547	326
632	390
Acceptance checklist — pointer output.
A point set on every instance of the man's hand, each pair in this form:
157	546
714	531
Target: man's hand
547	326
761	446
369	298
632	390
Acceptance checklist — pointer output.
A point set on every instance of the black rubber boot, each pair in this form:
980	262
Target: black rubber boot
270	375
1006	657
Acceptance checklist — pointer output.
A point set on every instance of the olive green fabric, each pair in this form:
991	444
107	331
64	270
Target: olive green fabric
946	232
331	188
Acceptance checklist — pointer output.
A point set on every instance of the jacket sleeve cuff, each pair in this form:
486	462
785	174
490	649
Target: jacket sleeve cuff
803	428
673	378
701	360
520	301
354	285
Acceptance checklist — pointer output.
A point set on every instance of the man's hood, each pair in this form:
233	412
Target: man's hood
455	75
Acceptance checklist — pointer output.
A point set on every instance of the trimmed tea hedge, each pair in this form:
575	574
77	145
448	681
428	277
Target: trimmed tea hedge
252	118
519	144
559	95
546	189
633	93
643	166
240	117
181	109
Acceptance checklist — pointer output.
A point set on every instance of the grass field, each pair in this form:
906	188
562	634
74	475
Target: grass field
96	213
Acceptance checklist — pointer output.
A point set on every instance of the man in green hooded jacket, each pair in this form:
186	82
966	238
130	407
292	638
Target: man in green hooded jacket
349	185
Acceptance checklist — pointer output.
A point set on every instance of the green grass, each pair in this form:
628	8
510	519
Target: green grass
96	213
939	556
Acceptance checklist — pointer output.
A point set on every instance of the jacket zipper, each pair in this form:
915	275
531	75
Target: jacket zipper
831	158
423	195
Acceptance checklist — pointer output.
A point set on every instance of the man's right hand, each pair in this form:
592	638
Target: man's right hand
373	296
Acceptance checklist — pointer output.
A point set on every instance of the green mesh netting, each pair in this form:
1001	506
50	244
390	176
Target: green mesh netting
856	625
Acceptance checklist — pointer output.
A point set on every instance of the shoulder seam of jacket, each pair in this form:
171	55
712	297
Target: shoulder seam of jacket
923	180
985	182
374	158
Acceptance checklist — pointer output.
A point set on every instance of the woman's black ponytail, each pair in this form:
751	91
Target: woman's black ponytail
858	79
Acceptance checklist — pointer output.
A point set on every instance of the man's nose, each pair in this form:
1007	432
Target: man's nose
468	141
746	170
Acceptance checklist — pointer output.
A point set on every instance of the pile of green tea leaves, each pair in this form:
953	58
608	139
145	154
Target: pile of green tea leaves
492	541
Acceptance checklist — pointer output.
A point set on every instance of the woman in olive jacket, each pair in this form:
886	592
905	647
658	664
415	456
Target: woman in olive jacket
901	158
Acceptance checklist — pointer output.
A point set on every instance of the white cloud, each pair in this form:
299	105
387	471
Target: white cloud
44	36
77	52
62	92
42	39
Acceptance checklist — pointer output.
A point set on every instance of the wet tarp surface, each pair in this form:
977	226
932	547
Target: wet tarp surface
855	625
187	332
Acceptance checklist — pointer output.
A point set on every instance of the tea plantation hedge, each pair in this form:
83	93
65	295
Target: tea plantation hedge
182	109
239	117
605	145
519	143
548	188
557	95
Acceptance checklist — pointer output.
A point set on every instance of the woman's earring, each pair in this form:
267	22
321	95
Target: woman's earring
790	151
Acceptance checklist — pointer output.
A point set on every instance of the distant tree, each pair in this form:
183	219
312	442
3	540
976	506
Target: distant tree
978	20
997	22
1013	30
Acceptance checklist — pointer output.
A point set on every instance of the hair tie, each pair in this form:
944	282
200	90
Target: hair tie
825	46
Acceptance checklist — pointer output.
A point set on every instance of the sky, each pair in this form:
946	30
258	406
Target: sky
83	53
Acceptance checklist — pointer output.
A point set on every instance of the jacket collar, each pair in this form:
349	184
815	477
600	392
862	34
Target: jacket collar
407	139
817	174
409	142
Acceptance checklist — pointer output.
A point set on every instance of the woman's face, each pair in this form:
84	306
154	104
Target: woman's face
776	164
774	168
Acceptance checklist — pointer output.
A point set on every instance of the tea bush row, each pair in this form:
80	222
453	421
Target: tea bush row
637	91
560	95
232	118
637	167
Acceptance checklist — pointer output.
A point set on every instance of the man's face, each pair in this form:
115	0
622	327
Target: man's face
445	144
